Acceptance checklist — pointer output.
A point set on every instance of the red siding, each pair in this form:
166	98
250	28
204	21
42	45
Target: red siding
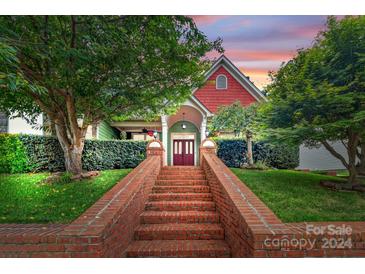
212	98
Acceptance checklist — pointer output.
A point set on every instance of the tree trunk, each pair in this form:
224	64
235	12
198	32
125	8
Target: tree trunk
352	154
352	179
73	162
249	148
72	145
361	166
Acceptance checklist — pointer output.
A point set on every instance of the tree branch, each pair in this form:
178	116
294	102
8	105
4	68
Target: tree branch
335	153
344	144
72	118
73	31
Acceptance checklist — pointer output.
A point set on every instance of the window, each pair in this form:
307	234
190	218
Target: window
3	123
221	82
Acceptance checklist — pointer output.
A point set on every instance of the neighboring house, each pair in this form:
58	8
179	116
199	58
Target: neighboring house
182	133
320	158
19	125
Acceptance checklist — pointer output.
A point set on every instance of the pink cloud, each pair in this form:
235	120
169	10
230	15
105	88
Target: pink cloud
237	25
207	19
257	55
306	31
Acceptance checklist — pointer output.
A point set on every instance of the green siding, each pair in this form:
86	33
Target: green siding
106	132
176	128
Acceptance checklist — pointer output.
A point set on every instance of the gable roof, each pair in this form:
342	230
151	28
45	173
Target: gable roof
237	74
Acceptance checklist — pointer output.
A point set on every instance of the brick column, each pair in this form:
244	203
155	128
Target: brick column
208	146
155	148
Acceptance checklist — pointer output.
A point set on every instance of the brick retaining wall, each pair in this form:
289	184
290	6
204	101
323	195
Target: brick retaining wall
104	230
107	227
253	230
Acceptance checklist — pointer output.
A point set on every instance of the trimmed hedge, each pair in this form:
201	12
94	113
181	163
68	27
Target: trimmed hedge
43	153
233	153
23	153
100	155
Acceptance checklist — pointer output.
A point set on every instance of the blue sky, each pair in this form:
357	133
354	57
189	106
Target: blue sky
258	44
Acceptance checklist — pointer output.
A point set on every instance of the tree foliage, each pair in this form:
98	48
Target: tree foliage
238	119
319	96
235	118
80	70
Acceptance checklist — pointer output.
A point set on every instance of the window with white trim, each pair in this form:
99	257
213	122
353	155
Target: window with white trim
221	82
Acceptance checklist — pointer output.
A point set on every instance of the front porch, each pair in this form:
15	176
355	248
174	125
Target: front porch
181	133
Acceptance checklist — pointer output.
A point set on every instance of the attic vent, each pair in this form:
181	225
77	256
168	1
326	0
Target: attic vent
221	82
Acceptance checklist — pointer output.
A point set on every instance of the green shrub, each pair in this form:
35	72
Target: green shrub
44	153
13	157
233	153
258	165
100	155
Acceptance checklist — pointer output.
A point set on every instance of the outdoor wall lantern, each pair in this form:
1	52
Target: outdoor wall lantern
207	133
183	125
155	134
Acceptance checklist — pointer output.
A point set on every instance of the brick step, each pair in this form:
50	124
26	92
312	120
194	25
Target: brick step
180	205
182	172
179	232
163	217
180	182
183	168
181	197
181	177
180	189
174	249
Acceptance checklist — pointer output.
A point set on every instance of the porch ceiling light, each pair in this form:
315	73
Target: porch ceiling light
183	125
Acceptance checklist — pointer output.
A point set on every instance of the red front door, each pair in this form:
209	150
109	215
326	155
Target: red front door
183	151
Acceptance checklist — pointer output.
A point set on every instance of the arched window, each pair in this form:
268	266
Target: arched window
221	82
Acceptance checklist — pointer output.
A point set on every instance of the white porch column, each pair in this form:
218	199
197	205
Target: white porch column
164	137
203	129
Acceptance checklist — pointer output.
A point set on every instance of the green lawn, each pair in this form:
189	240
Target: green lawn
24	200
297	196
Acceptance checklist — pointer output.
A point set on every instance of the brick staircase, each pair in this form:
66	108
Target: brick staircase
180	219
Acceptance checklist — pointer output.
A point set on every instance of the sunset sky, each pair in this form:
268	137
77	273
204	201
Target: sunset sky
258	44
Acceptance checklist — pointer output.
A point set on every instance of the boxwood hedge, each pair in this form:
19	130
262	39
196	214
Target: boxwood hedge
233	153
43	153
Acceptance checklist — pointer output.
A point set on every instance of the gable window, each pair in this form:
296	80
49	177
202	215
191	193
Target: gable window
4	123
221	82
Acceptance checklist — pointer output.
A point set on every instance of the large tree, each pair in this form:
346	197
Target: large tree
318	97
237	119
80	70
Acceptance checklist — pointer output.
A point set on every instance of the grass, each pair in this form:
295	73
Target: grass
24	200
297	196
